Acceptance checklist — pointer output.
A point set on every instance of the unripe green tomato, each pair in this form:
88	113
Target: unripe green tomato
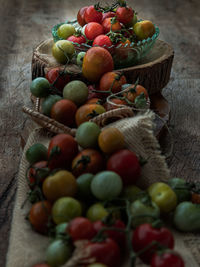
144	29
36	152
87	135
66	30
96	212
62	51
61	229
131	193
48	103
79	58
58	253
84	183
181	189
76	91
40	87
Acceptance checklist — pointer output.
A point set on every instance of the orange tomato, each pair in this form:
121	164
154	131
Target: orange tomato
96	62
113	81
133	93
87	161
117	101
110	140
64	112
94	101
87	112
107	25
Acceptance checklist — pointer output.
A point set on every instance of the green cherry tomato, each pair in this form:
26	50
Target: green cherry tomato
36	152
62	51
65	209
84	183
87	135
76	91
79	58
144	29
61	229
180	188
58	253
187	217
131	193
40	87
48	102
66	30
106	185
96	212
144	207
163	196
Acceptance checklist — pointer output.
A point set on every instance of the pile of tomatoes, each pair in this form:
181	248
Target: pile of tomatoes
83	188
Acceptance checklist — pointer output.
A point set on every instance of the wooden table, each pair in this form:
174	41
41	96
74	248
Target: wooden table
23	24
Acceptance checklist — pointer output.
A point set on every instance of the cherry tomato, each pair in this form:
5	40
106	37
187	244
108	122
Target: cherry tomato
94	100
62	50
103	41
118	237
96	62
92	15
66	30
144	29
36	152
88	160
122	49
126	164
39	216
110	140
77	39
135	92
145	234
60	184
81	228
108	15
195	198
168	258
111	24
40	87
48	103
112	81
64	112
92	30
124	14
80	16
106	252
61	151
35	173
117	101
84	184
87	112
57	77
96	212
76	91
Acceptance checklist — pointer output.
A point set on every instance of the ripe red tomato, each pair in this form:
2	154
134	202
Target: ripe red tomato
125	14
108	15
103	41
34	176
106	252
113	81
39	216
92	30
67	149
80	16
118	237
81	228
92	15
111	23
145	234
166	259
58	78
125	163
77	39
87	161
64	112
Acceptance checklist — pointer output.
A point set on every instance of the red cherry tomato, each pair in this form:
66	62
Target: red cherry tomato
125	163
80	16
168	258
103	41
58	78
92	15
61	151
92	30
108	15
81	228
111	23
124	14
118	237
145	234
34	175
77	39
106	252
39	216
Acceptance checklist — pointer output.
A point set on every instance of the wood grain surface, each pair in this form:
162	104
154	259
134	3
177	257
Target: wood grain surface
24	24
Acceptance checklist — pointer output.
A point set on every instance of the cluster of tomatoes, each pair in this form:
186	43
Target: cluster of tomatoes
83	188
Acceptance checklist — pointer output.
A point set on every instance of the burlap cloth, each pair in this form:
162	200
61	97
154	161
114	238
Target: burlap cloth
26	247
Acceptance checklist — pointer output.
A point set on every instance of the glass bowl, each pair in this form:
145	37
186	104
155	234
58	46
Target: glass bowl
123	55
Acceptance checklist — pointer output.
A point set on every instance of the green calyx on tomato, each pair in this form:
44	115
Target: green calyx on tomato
163	196
187	217
181	188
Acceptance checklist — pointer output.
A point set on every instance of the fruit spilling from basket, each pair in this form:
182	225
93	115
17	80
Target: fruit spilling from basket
113	27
